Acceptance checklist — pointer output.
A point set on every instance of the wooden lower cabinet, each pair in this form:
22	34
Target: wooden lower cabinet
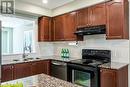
20	70
46	67
113	77
7	73
108	78
40	67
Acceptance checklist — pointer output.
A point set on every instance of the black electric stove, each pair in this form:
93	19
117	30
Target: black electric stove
87	62
85	71
94	57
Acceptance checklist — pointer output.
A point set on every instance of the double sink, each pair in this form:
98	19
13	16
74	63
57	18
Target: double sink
26	59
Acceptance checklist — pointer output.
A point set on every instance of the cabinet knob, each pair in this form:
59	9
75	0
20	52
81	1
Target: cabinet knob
100	70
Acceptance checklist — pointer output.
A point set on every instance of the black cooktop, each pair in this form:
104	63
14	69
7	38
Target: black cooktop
89	62
92	57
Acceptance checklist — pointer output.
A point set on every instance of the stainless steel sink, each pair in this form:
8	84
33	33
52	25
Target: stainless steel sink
16	60
26	59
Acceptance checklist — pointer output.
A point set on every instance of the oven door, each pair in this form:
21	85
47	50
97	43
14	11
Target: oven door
83	75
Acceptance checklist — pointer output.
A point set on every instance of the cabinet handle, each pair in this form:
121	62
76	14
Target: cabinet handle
101	71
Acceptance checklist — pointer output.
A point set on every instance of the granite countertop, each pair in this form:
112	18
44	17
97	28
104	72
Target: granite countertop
113	65
6	62
42	80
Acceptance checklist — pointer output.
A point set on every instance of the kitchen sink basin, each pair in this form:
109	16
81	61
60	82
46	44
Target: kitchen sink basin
16	60
26	59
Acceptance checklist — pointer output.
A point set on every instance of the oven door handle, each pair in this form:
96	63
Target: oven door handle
80	67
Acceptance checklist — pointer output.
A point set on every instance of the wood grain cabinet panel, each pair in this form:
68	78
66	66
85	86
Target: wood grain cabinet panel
22	70
83	17
37	67
98	14
44	29
6	73
58	26
65	26
117	19
113	77
40	67
108	78
46	66
70	26
92	16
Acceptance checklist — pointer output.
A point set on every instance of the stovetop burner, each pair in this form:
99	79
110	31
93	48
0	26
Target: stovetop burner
88	62
94	57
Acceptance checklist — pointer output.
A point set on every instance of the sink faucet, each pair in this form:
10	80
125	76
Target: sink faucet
24	55
26	48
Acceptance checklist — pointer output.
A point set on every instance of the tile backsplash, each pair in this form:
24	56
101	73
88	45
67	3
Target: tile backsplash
119	48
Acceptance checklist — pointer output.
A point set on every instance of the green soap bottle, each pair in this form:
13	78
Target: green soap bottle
68	54
62	53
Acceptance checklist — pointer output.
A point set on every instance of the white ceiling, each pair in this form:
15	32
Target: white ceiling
52	4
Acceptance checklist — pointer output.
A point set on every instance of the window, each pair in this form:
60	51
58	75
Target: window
28	41
7	36
18	35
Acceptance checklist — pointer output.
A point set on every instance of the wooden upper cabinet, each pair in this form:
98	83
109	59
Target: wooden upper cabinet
82	17
92	16
44	29
6	73
58	26
114	14
64	27
98	15
117	19
69	26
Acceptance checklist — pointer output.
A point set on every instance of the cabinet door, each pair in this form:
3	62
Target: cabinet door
98	14
58	26
46	67
70	26
83	17
40	67
22	70
44	29
108	78
6	73
115	20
